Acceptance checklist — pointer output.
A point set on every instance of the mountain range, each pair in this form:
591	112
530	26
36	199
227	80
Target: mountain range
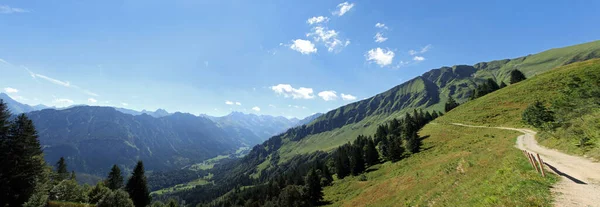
92	138
428	92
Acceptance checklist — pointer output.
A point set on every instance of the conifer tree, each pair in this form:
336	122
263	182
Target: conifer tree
314	188
115	179
502	84
451	104
357	161
371	154
516	76
395	149
61	170
137	186
342	164
23	164
73	176
413	143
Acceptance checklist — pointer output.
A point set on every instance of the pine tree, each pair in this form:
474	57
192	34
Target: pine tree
516	76
115	179
23	164
492	85
413	143
342	163
357	161
502	84
4	153
137	186
450	104
73	176
395	149
61	170
371	154
314	189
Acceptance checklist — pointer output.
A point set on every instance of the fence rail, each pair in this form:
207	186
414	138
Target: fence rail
536	162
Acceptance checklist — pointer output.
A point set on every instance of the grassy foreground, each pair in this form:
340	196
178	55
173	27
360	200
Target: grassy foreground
460	167
463	166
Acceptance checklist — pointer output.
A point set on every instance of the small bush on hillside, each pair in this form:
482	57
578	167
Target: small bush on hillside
537	115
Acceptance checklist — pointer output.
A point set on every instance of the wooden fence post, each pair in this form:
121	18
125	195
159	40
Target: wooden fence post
533	162
541	165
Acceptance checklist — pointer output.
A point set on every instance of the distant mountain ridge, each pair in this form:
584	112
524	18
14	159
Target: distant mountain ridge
16	107
428	92
92	138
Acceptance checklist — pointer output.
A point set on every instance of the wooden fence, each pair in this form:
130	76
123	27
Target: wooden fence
536	162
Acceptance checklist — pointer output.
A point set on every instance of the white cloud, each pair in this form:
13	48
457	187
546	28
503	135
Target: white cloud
316	20
379	38
125	104
256	108
329	38
303	46
328	95
91	100
296	93
229	102
63	101
273	106
10	90
343	8
238	103
4	61
89	92
348	97
52	80
58	82
381	25
382	57
423	50
4	9
418	58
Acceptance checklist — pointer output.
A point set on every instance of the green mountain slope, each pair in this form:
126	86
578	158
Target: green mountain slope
94	138
467	166
428	91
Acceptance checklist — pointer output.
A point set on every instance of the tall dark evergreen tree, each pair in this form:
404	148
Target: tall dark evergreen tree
22	159
413	143
314	188
395	149
137	186
342	163
493	86
502	84
115	179
61	170
516	76
371	154
450	104
357	161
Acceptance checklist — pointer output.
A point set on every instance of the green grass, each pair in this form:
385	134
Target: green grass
504	107
208	164
463	166
68	204
180	187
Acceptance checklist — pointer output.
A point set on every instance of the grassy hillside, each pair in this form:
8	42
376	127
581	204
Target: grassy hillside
466	166
428	91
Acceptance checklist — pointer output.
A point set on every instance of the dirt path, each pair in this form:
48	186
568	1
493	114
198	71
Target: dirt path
580	183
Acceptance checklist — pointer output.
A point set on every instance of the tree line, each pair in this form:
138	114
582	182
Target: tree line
27	180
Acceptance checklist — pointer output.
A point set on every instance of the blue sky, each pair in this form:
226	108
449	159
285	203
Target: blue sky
214	56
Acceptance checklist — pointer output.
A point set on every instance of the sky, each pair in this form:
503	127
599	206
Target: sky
283	58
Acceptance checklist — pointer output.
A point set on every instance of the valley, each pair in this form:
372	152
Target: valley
299	103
